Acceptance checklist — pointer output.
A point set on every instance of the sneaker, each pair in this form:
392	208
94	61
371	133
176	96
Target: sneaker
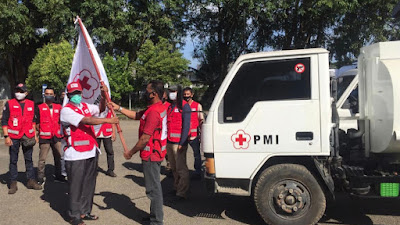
32	184
40	181
111	174
13	187
60	179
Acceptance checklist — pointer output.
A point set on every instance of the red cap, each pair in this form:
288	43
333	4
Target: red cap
74	86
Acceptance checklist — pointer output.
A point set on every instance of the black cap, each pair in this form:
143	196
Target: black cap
21	87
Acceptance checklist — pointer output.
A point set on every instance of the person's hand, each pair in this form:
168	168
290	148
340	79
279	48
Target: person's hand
103	89
113	120
7	141
127	155
113	105
179	147
36	139
113	137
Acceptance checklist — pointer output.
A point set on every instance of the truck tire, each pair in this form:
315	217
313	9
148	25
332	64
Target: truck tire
288	194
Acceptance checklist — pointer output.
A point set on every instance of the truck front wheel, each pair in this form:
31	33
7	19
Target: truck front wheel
288	194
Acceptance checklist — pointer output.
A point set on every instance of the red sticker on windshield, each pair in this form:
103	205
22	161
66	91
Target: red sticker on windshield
299	68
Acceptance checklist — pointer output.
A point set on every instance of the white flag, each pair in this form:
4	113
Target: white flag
84	70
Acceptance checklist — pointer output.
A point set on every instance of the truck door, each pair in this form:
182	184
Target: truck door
270	107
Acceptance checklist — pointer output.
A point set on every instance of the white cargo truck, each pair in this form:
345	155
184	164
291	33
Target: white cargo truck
272	132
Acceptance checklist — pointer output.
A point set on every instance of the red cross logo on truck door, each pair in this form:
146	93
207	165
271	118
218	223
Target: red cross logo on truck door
241	140
89	83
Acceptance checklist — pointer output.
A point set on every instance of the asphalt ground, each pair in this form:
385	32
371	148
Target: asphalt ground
122	200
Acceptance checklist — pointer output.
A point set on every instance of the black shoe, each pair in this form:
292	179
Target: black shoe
146	218
87	216
111	174
40	181
60	179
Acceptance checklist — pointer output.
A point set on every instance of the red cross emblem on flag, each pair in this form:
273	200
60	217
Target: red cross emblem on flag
241	140
88	82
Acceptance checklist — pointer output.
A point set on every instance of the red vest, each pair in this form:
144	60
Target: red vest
174	123
194	119
21	123
49	124
106	128
81	138
155	149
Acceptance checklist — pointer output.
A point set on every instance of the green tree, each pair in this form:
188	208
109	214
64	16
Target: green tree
119	74
363	23
123	26
51	66
160	62
117	27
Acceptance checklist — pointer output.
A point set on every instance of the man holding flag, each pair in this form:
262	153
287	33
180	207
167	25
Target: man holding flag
87	91
81	151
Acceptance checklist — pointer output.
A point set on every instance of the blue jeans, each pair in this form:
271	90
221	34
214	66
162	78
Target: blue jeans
195	144
14	150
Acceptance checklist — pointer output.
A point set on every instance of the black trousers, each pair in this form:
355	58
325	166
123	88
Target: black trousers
108	146
82	176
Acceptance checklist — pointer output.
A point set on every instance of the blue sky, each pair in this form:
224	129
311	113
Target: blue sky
188	52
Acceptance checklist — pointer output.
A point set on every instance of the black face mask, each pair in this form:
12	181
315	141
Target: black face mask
146	96
49	98
187	98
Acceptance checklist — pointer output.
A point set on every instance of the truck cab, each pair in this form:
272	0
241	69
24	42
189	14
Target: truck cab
273	131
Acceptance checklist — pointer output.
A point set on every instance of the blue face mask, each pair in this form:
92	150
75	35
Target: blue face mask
76	99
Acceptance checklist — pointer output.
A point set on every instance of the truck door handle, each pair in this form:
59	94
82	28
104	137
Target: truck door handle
304	136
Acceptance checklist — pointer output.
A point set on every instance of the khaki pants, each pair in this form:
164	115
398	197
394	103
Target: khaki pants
44	151
177	161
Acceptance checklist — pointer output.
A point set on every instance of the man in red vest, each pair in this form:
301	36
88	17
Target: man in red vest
106	133
50	134
196	120
80	153
151	144
18	124
178	124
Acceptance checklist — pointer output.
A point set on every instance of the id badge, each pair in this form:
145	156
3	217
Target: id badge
15	122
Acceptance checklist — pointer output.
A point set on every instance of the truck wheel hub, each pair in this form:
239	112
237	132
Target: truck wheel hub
290	197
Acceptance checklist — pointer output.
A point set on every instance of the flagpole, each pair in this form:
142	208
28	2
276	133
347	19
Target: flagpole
103	84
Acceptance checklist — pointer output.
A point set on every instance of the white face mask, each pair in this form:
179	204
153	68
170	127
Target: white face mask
172	96
20	96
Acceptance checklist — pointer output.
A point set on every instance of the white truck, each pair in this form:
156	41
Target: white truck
272	132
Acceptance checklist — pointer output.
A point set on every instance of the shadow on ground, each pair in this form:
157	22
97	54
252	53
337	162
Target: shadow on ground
122	204
199	203
354	210
21	179
55	193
